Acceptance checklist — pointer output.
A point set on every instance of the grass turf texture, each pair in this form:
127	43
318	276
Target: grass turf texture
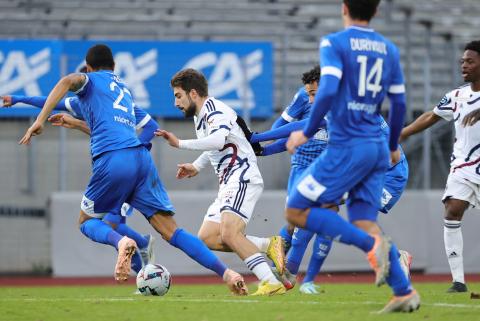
212	302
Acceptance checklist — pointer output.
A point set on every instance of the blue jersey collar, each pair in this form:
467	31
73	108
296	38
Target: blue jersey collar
360	28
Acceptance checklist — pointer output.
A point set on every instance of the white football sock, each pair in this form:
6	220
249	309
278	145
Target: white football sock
261	243
452	237
257	264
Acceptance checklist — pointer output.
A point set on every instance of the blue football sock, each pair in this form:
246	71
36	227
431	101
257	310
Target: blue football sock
287	237
100	232
331	225
321	248
125	230
300	239
397	279
197	250
136	262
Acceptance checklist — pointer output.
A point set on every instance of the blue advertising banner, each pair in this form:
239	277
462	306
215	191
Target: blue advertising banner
29	68
239	73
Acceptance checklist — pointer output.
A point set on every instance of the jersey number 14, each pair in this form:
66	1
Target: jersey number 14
370	82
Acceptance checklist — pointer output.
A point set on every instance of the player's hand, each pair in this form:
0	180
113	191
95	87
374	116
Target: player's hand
186	170
34	130
168	136
62	120
394	157
296	139
471	118
6	101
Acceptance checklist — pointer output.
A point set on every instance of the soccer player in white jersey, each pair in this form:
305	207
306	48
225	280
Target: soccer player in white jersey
240	183
462	190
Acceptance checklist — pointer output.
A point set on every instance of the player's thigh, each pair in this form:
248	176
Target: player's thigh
232	223
150	195
459	195
335	172
209	229
111	183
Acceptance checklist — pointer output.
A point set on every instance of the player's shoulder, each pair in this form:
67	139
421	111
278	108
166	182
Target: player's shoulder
459	91
301	95
214	107
331	39
212	104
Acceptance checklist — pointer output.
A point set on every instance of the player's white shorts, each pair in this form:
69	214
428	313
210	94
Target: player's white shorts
462	189
235	197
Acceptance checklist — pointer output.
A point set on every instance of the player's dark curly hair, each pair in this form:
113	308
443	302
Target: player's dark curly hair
473	45
311	76
189	79
362	9
100	57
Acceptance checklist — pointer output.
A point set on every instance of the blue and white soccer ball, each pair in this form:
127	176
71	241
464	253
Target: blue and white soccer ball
153	279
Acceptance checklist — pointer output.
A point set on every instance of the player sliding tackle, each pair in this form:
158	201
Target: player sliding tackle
226	148
123	170
359	68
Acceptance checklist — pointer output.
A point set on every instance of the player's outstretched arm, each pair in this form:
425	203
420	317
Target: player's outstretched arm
274	148
423	122
35	101
72	82
214	141
279	122
280	132
70	122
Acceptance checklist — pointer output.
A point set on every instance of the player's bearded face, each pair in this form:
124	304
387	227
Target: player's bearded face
189	110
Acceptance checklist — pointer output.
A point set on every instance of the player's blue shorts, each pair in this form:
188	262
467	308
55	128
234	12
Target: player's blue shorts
396	179
295	173
125	176
358	170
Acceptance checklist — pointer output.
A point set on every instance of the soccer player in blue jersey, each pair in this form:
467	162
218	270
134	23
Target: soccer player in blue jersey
123	170
396	180
359	68
143	121
297	241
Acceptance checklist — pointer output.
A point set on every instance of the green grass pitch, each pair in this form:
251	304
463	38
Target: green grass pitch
212	302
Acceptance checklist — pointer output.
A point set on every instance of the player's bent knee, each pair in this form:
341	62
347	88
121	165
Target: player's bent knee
83	218
454	209
296	216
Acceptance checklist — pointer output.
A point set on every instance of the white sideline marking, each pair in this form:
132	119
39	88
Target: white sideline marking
439	304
